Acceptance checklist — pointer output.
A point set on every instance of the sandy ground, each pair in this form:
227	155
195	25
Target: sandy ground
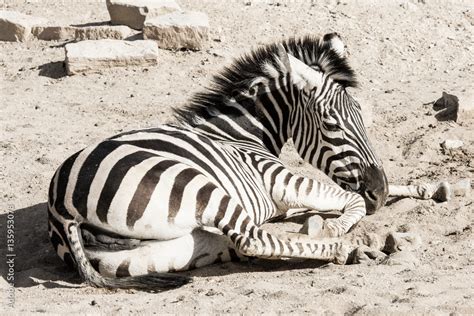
405	55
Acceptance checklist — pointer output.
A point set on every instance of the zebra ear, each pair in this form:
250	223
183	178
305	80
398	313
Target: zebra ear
336	44
283	57
304	77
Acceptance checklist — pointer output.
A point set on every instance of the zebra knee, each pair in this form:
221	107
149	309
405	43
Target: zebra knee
250	247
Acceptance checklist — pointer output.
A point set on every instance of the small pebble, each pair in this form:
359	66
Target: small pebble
452	144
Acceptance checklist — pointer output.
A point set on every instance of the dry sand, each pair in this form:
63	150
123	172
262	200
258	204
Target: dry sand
405	55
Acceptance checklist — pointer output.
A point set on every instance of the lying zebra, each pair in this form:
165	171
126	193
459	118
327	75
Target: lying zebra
137	205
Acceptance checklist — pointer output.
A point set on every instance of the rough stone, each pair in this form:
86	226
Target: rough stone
54	33
177	30
92	32
16	26
104	32
94	56
452	108
133	13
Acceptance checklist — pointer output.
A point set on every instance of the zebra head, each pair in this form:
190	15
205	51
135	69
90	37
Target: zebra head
327	126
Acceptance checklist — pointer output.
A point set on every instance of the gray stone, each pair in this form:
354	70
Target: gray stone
452	108
133	13
177	30
16	26
95	56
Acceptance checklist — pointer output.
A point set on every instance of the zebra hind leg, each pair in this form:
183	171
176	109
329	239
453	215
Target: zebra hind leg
94	238
152	281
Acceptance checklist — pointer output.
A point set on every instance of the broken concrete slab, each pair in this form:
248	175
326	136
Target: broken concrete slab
177	30
54	33
133	13
81	33
16	26
97	55
97	32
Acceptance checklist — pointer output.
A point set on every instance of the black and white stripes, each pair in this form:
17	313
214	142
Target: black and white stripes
176	197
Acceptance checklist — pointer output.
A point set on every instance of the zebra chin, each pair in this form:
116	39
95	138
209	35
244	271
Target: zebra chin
372	186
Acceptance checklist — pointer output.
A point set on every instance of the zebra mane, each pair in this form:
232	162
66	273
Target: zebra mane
263	62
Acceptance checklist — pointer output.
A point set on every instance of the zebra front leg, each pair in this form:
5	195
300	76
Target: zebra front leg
301	192
440	191
226	214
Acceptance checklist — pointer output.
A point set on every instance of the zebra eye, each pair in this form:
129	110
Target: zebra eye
331	124
332	127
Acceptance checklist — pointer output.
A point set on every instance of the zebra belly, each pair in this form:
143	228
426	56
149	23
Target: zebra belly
155	200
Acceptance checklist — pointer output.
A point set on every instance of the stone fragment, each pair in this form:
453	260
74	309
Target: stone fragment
103	32
177	30
462	187
16	26
54	33
95	56
450	144
133	13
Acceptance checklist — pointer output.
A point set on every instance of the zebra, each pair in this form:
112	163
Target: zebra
131	210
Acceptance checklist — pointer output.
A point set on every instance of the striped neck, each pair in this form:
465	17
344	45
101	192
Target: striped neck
262	117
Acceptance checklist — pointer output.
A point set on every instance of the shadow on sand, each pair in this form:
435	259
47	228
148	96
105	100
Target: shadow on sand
36	262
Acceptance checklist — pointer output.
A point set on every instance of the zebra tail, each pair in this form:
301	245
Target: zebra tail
150	282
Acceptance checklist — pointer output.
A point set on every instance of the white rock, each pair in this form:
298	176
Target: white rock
54	33
94	56
178	30
133	13
16	26
452	144
103	32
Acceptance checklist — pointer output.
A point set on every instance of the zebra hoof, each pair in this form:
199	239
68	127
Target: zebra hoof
313	226
366	255
401	242
342	255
